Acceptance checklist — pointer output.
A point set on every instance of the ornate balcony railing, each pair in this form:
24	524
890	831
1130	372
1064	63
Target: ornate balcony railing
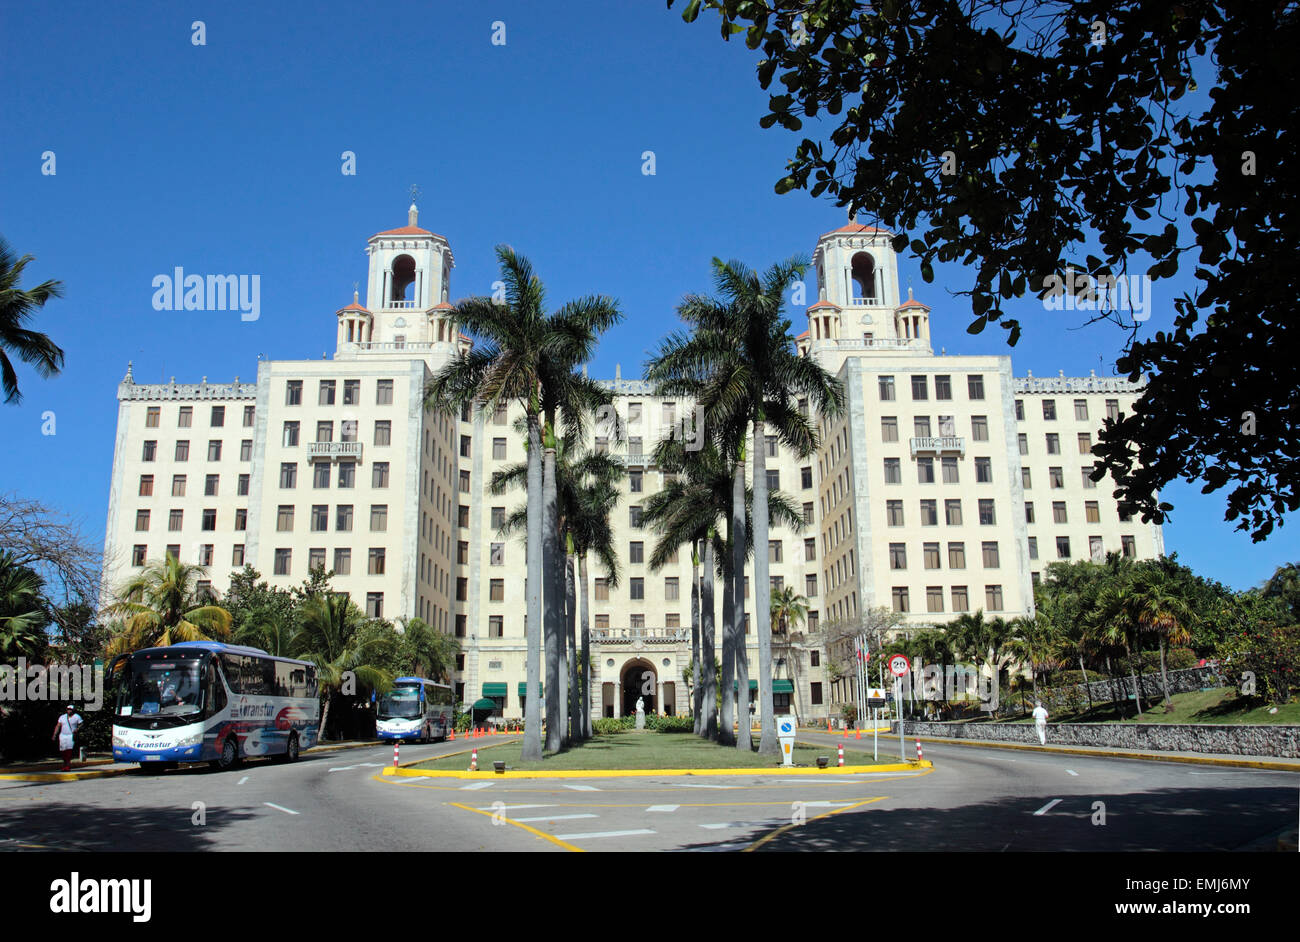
629	635
933	445
330	450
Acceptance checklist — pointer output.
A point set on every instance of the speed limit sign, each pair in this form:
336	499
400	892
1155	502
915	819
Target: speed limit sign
899	665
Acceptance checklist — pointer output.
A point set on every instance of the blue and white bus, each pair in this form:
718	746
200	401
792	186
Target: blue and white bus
415	709
207	701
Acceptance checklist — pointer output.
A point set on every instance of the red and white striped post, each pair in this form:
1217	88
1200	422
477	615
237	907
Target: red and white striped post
473	760
397	744
841	746
919	757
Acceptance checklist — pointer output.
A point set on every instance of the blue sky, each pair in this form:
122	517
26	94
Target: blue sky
225	158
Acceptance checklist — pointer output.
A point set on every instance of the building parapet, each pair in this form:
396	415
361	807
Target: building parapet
1076	384
174	390
628	635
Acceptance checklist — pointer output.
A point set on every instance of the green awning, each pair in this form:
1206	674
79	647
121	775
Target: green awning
523	688
484	706
494	690
753	685
783	686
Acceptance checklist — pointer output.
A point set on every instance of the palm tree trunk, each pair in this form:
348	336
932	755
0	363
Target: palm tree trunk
585	672
552	596
1087	689
1137	691
324	717
532	746
728	653
740	646
708	680
571	610
767	742
695	639
1164	675
1137	684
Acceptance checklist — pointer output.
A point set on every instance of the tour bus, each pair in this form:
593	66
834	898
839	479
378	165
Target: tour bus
207	701
415	709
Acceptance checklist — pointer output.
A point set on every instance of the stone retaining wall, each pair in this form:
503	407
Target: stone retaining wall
1282	741
1104	691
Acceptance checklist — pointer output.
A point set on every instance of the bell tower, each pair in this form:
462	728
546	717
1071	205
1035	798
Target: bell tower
408	287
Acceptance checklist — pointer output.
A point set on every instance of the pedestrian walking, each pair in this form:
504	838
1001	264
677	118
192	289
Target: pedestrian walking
1040	722
65	732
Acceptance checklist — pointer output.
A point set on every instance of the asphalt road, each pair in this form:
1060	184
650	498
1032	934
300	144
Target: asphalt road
974	799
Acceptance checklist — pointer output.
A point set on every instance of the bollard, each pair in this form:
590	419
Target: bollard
473	760
841	762
397	744
918	750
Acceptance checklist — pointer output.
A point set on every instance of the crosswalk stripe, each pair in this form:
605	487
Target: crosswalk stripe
593	834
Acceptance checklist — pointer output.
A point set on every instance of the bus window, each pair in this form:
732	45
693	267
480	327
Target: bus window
216	690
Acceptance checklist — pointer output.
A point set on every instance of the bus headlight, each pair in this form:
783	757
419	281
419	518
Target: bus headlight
195	740
118	738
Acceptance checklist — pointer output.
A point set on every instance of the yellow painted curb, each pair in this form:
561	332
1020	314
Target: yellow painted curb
60	776
1109	754
651	773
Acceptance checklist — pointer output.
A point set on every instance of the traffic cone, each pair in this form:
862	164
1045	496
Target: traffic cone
473	760
857	734
451	736
841	747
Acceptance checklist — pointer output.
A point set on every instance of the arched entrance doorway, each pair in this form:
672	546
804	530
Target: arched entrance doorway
639	682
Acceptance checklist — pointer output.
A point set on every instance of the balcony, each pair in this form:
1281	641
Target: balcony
640	635
865	302
947	443
331	450
399	306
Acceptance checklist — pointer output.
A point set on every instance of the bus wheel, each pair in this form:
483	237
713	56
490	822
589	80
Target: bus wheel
291	751
229	755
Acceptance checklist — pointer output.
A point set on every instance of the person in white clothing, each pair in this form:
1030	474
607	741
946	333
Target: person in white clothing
65	731
1040	722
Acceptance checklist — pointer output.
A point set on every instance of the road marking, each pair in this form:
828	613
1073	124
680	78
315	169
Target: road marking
583	788
476	786
242	780
692	785
825	814
1072	772
666	809
592	834
1211	773
370	765
557	817
343	768
825	804
719	827
1047	807
526	827
279	807
513	807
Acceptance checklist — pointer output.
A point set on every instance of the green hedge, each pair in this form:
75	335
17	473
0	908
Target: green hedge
659	724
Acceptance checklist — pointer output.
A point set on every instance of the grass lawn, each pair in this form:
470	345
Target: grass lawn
647	750
1218	706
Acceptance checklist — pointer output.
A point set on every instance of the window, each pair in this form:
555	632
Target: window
975	386
934	598
921	426
634	516
497	554
320	474
979	428
808	511
499	449
185	417
375	604
924	470
1081	409
930	551
636	552
218	417
241	519
324	431
1049	410
293	392
290	434
929	513
993	598
1085	475
343	518
496	626
326	396
376	561
810	549
1063	547
1056	478
602	589
889	428
379	474
1128	545
990	552
146	485
462	515
952	512
1029	511
897	555
773	480
498	518
1033	547
1125	515
462	591
987	517
774	554
151	416
209	520
886	388
900	598
1020	410
943	387
343	562
288	475
384	433
466	446
983	470
1085	443
1092	511
316	558
182	451
672	590
959	601
464	482
771	442
920	388
284	518
805	477
1053	443
214	451
634	447
175	520
347	474
810	585
497	590
283	561
1025	478
249	413
956	555
378	518
1058	512
1112	409
246	450
1022	440
352	392
237	555
142	520
1095	552
205	559
894	510
637	588
150	450
174	550
348	430
499	411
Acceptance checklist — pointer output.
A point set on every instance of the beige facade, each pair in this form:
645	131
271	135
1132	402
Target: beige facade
940	490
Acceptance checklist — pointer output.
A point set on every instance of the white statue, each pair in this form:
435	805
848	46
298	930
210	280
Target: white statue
640	704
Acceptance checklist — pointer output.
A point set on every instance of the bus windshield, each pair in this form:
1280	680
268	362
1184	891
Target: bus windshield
400	702
168	687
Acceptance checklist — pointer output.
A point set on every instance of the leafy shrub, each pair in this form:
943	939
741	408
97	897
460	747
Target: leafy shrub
670	724
613	724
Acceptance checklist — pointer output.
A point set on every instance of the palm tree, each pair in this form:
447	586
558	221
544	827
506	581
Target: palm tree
590	533
788	609
17	308
1158	607
431	653
741	364
329	636
525	356
23	616
270	628
163	605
